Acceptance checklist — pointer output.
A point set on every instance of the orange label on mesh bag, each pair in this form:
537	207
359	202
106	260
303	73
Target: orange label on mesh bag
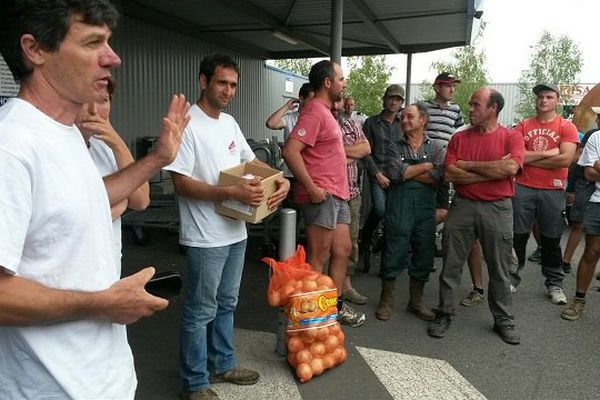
311	310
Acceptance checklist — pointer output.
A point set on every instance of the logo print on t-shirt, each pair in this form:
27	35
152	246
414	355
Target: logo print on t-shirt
540	143
301	132
232	147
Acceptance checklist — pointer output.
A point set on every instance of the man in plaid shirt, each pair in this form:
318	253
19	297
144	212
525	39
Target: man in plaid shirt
356	147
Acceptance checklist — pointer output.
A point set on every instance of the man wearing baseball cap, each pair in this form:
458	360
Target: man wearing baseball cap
550	144
381	130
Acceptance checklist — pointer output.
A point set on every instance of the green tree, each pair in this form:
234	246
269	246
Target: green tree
555	59
300	66
367	80
468	64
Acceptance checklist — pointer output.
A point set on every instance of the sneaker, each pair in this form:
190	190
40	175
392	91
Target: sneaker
354	297
557	296
439	326
473	299
237	376
513	289
348	316
566	267
574	309
204	394
536	256
508	334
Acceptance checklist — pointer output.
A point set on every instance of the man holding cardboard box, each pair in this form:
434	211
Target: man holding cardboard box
215	245
315	154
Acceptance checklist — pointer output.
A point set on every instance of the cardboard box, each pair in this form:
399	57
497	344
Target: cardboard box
238	210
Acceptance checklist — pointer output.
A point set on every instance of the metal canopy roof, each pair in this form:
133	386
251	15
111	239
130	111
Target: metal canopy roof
275	29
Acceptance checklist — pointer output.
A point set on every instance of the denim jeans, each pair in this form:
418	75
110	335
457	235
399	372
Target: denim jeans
213	284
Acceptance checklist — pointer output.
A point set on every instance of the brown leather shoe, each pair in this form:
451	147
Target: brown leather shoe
237	376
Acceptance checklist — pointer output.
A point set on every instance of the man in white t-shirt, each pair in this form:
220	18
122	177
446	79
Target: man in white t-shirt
590	160
62	305
110	154
215	245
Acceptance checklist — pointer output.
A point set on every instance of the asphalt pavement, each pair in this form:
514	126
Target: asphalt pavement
396	359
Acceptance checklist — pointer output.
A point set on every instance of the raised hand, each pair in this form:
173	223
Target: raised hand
171	133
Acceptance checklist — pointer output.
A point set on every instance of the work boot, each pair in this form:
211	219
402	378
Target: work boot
386	301
415	303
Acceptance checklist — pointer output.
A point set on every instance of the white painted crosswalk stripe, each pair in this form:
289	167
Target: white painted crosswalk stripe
404	376
256	350
412	377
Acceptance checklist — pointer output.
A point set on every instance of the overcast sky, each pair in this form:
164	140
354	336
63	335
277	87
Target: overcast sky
513	26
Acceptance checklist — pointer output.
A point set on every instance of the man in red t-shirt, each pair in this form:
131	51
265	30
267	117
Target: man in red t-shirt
481	162
314	152
550	144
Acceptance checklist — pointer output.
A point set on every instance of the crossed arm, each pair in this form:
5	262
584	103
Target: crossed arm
559	157
465	172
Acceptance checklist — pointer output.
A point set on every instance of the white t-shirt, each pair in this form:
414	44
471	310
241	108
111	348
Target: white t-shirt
208	147
55	229
589	155
289	120
105	161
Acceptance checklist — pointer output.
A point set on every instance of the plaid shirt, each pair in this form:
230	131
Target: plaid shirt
351	133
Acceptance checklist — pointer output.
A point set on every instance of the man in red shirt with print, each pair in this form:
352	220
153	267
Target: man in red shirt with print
550	144
481	162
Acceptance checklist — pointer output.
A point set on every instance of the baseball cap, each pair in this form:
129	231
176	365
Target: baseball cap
446	77
546	86
394	90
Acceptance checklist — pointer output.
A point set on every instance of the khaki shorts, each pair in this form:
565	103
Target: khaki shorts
327	214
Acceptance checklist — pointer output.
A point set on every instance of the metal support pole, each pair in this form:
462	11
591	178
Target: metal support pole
408	99
287	247
337	21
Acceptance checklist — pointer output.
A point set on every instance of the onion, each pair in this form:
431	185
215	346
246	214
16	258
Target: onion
322	334
304	372
329	361
343	355
291	357
330	343
341	337
317	349
317	366
285	292
304	356
295	344
309	335
324	280
274	299
337	353
309	285
334	329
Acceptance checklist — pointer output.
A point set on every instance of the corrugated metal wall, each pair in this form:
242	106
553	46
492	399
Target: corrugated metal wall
158	62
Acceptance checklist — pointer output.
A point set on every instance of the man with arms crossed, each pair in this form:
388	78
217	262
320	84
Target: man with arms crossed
481	162
550	144
62	305
315	154
215	245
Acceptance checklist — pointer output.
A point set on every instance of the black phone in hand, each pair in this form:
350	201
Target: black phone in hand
165	284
